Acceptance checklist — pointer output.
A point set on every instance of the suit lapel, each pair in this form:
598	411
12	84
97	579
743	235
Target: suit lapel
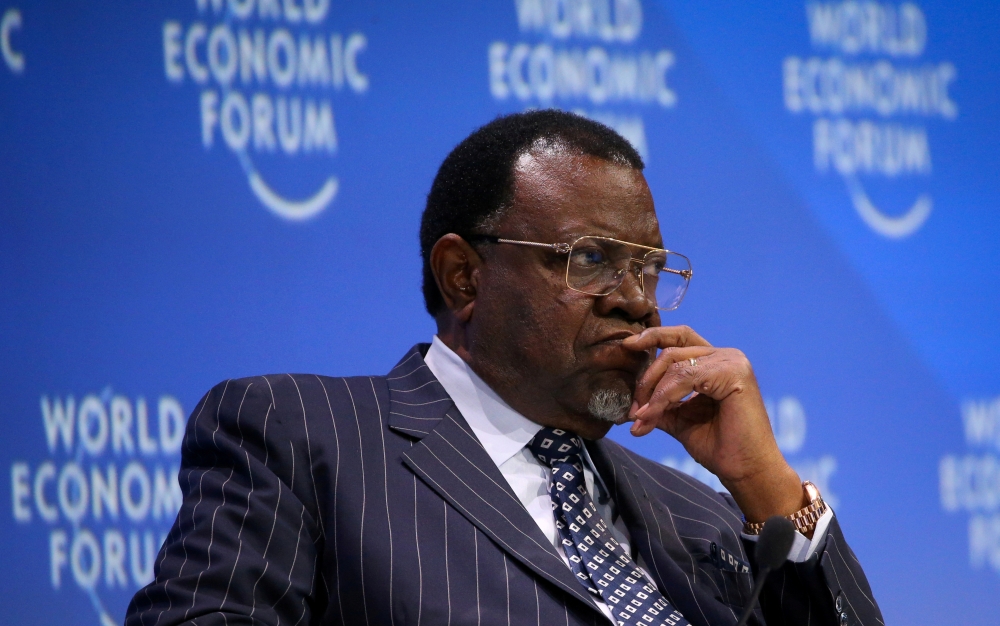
450	460
655	538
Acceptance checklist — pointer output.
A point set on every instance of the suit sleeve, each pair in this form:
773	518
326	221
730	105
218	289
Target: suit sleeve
829	588
243	549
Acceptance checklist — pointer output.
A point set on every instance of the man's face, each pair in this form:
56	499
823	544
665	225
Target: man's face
550	348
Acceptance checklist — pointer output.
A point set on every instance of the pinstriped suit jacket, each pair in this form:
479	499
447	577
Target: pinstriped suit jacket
316	500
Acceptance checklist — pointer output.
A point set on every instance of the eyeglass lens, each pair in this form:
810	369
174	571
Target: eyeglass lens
597	266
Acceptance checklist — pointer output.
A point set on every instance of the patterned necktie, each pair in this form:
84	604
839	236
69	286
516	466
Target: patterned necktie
600	563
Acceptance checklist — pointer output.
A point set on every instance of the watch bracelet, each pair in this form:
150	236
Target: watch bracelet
804	519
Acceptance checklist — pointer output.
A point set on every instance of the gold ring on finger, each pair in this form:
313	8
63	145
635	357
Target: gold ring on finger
693	362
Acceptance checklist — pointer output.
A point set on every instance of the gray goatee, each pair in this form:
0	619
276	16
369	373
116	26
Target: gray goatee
609	405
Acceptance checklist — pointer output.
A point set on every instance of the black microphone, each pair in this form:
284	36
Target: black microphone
772	549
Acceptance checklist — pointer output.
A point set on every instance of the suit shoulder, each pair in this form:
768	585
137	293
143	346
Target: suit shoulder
277	386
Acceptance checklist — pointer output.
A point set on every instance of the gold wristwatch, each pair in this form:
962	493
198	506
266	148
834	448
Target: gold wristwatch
804	519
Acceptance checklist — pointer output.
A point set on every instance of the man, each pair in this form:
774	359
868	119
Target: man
473	485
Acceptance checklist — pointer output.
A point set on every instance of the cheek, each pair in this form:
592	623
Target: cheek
558	322
538	319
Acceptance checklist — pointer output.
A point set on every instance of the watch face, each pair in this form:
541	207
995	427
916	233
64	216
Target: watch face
812	490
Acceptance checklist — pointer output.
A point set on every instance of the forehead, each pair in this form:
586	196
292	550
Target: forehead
559	194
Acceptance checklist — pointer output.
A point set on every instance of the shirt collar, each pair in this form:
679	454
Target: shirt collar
502	430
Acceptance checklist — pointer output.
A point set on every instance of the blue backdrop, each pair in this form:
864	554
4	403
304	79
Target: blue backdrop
204	189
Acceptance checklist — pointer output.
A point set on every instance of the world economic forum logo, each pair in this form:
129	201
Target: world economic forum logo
105	491
587	57
872	95
267	71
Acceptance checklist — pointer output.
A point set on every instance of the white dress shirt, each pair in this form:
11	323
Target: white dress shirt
504	434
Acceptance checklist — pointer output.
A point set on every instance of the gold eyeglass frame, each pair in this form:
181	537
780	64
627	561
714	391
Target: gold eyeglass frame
566	248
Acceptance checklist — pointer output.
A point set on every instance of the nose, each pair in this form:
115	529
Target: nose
629	299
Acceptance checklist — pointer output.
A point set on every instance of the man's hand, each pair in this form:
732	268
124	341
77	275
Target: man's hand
713	407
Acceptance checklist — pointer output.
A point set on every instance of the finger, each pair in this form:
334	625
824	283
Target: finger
696	410
668	357
710	377
641	428
664	337
672	421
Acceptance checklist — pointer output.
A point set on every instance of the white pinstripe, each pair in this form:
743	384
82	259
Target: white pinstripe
412	430
475	544
309	456
429	382
271	389
870	601
270	536
445	399
506	580
158	567
291	483
411	372
416	542
217	408
364	498
336	478
267	449
211	540
239	535
239	413
194	596
170	600
311	589
403	362
295	557
538	605
385	474
447	569
413	417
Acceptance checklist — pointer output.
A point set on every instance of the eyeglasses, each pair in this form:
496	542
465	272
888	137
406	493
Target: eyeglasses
597	266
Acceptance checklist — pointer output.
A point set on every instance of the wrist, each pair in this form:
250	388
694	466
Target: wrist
774	491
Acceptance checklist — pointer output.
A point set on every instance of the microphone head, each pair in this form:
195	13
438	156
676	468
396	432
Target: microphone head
774	543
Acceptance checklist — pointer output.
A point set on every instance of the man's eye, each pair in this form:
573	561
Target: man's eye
588	258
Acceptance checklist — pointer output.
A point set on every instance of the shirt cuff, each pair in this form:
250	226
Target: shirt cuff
803	548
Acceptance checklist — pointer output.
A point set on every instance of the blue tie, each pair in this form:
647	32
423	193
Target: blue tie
600	563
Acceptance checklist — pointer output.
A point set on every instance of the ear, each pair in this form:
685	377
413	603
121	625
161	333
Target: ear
455	265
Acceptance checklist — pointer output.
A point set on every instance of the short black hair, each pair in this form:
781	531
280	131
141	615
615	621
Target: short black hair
476	180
